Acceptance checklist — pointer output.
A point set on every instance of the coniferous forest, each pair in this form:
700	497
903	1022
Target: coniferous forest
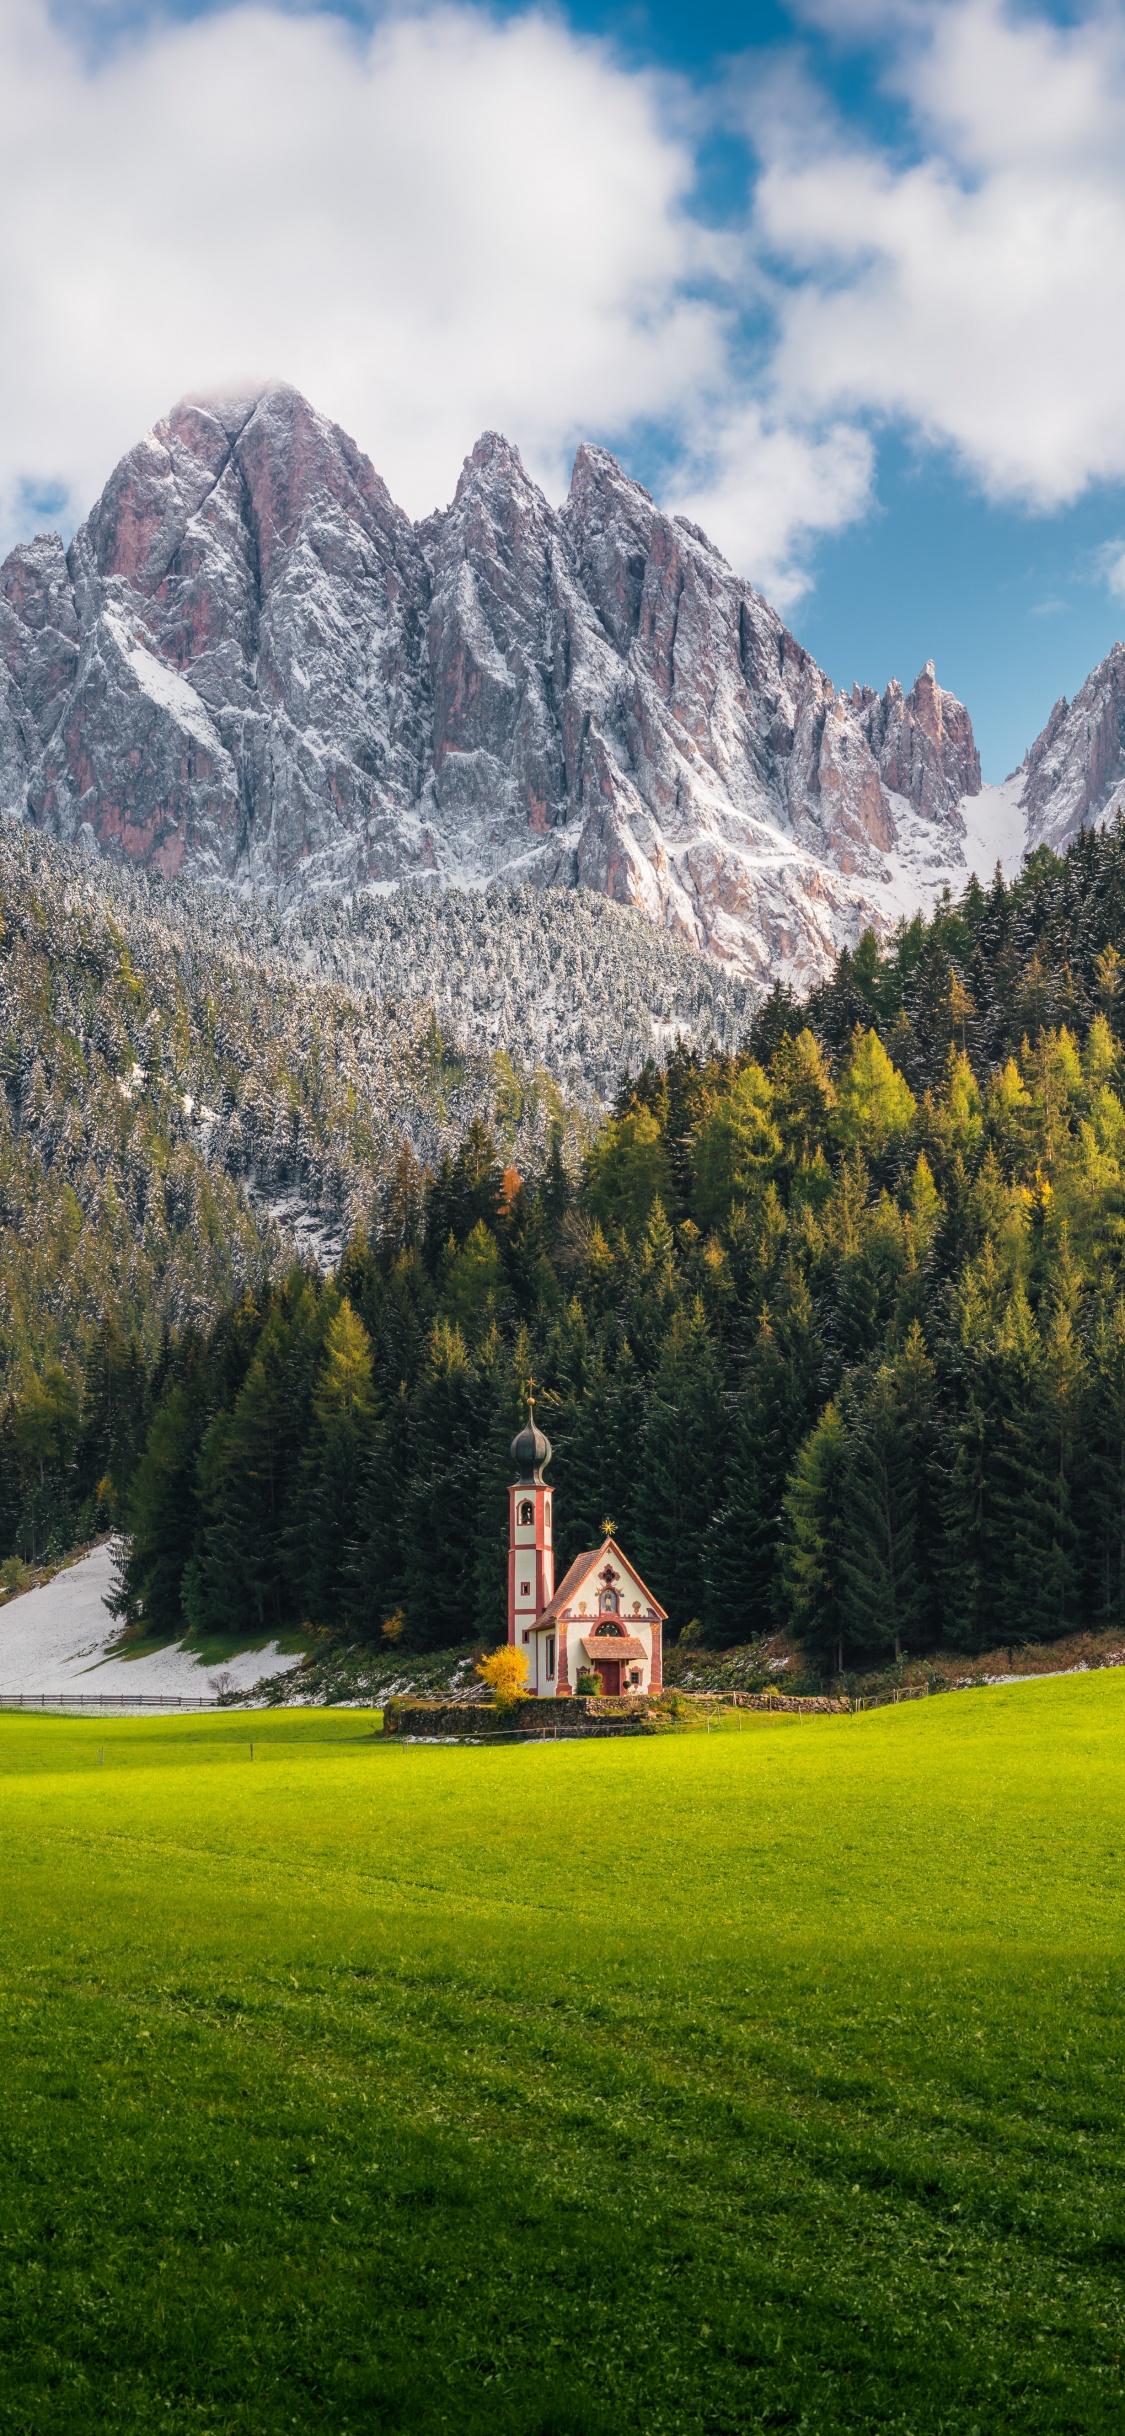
832	1325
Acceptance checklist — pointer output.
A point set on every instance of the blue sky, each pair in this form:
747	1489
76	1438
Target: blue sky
844	280
1011	603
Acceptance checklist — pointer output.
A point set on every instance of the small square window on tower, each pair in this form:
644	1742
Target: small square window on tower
525	1590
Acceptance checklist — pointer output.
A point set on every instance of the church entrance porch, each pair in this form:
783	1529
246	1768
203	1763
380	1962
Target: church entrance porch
617	1657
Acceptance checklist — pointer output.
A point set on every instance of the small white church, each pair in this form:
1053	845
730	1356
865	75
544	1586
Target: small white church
601	1620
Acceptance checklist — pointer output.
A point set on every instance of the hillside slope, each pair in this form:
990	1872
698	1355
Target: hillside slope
561	977
181	1111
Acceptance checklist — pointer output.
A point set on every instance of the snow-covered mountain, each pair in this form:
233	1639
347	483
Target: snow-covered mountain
250	666
1074	775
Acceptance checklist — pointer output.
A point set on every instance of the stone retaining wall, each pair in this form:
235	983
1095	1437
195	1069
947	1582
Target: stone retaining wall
796	1704
407	1715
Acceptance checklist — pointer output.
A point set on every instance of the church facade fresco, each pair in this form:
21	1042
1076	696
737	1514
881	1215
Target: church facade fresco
601	1622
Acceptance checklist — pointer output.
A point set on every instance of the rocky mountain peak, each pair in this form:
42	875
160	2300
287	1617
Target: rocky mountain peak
1074	774
923	742
251	665
493	455
609	520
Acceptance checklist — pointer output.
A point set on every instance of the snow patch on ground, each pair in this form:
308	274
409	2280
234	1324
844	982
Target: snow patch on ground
979	1682
995	828
924	861
55	1639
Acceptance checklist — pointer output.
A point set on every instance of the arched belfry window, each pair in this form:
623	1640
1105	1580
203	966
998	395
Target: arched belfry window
527	1511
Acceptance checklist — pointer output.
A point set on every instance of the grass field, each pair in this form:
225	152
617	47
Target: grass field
762	2079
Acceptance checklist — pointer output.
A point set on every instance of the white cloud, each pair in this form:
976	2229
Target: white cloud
766	489
1111	567
447	223
453	221
975	289
439	225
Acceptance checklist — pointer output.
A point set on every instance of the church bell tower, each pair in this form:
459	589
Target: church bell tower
531	1555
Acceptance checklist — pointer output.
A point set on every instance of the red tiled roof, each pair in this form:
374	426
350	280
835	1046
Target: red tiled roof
572	1580
583	1565
610	1647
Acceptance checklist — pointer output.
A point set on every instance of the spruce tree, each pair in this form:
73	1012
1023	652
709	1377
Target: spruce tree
891	1430
1041	1436
969	1557
682	1467
111	1431
596	1427
1107	1464
441	1505
244	1575
816	1509
332	1468
781	1395
374	1562
162	1516
501	1376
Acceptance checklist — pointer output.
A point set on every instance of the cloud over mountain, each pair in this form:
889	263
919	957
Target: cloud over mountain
447	221
968	277
435	225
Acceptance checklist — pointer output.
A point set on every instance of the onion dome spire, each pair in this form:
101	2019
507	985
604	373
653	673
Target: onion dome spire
530	1450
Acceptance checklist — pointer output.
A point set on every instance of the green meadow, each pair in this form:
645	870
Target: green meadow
769	2078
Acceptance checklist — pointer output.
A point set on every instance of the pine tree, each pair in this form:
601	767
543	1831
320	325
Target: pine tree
816	1511
162	1516
683	1463
737	1147
243	1576
442	1498
876	1105
111	1431
891	1443
804	1098
596	1423
1041	1426
501	1387
42	1425
332	1468
781	1395
1107	1464
970	1546
374	1562
627	1172
556	1192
